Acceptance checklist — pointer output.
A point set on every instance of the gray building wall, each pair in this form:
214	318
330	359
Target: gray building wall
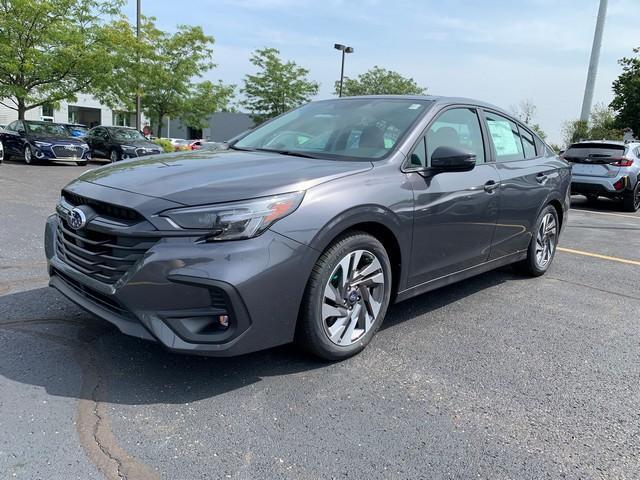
222	127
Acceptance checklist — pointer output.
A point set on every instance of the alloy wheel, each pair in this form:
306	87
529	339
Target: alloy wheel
114	156
27	154
353	296
546	240
636	198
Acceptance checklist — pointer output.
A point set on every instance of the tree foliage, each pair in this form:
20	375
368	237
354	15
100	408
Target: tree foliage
626	89
601	126
161	67
52	49
277	87
379	81
525	111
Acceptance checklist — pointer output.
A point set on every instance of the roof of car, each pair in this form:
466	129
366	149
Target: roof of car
434	98
607	142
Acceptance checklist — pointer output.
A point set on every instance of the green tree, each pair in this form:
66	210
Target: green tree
52	49
525	111
205	98
277	86
601	126
626	89
161	67
379	81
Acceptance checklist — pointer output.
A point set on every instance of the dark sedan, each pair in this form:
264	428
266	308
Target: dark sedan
309	226
43	141
120	143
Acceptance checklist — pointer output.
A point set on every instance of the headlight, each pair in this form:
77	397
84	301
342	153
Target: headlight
128	147
236	220
42	144
85	146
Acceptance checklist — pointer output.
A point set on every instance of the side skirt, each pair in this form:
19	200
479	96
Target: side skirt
461	275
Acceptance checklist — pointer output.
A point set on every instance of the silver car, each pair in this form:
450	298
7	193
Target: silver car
606	168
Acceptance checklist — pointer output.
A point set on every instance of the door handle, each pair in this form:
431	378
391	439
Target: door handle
491	186
542	178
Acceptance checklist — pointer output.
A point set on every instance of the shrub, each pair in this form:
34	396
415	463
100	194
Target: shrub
165	143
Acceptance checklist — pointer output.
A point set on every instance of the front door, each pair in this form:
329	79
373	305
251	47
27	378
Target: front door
455	212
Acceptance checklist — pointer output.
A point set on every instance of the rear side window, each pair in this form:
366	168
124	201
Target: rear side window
528	144
593	151
505	138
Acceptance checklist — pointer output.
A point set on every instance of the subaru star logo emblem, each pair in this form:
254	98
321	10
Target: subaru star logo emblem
76	219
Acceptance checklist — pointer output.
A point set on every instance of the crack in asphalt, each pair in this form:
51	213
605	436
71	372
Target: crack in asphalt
603	290
92	421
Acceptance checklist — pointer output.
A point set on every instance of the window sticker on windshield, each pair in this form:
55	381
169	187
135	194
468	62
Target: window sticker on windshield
503	138
414	106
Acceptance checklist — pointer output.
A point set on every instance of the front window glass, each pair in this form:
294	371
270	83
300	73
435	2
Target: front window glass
343	129
46	128
505	137
126	134
457	128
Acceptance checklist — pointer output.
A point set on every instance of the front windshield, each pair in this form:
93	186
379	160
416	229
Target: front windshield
126	134
46	128
357	128
77	130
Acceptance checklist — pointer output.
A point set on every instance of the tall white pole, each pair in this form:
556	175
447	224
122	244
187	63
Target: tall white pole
593	62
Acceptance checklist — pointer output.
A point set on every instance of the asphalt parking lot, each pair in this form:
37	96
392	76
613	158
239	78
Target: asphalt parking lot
498	377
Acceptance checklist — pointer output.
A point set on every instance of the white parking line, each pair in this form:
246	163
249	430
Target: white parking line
605	213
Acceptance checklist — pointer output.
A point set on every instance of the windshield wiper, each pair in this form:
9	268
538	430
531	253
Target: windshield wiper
233	147
293	153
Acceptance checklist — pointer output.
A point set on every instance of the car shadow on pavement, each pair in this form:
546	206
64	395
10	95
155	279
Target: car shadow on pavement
35	324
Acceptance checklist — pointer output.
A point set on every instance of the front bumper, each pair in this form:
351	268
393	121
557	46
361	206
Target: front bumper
174	294
49	154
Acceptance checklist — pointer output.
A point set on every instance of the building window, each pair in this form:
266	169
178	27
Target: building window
122	119
47	112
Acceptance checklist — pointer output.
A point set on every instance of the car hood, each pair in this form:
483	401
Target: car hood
57	140
137	143
204	177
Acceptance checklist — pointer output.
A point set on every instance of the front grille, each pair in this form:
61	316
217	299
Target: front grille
65	152
103	256
98	298
102	208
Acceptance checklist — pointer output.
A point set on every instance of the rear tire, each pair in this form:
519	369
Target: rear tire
346	298
631	200
542	247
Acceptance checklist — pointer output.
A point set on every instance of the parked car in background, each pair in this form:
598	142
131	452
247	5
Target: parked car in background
606	168
36	141
1	153
76	130
374	200
119	143
180	145
203	144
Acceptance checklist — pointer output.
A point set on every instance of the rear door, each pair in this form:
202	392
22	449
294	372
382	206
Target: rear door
526	180
594	159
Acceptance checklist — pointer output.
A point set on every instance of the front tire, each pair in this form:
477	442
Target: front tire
28	155
631	200
346	298
542	247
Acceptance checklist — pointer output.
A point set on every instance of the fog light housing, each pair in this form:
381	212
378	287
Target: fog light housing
39	154
223	321
620	184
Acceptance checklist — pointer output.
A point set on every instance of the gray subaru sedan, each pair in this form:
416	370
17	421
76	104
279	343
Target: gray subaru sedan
308	227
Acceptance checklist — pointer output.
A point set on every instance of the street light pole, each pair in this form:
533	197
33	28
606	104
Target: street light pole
593	62
344	49
138	99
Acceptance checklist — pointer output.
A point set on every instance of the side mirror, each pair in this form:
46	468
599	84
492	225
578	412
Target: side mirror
450	159
21	133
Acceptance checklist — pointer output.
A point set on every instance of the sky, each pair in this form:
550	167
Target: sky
498	51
